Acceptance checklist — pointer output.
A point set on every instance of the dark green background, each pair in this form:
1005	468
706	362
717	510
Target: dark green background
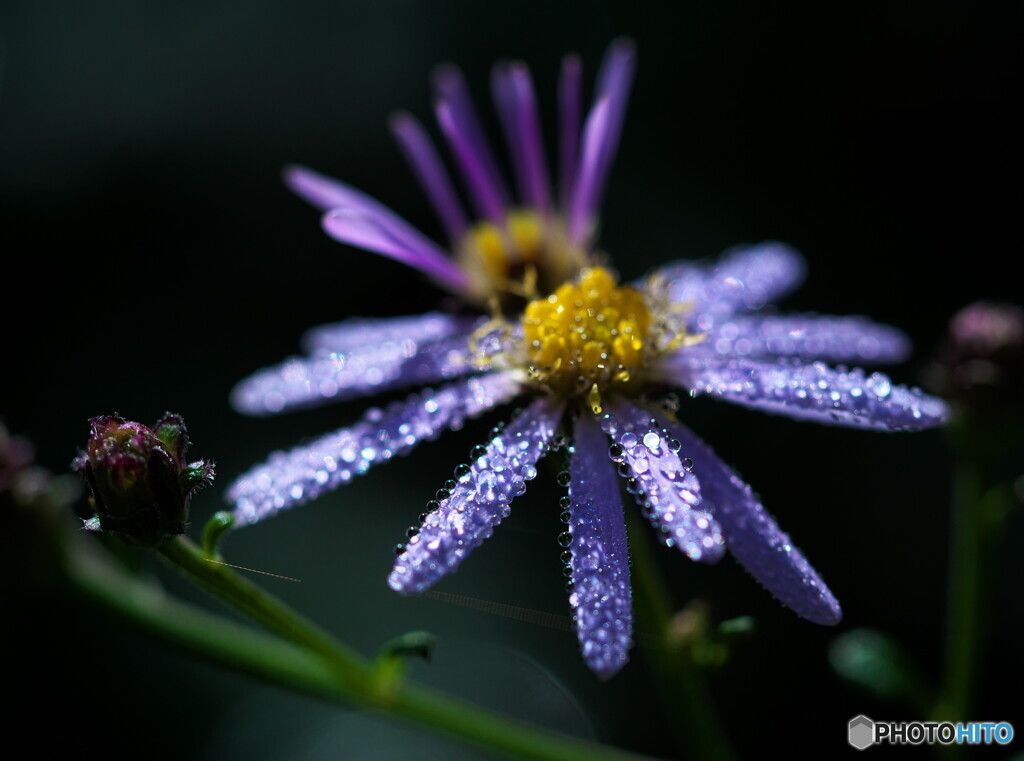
153	258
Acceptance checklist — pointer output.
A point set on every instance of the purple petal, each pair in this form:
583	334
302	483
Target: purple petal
667	490
383	236
305	382
358	332
839	339
327	193
601	137
478	503
755	540
815	392
601	596
614	79
743	279
583	201
569	109
430	172
458	121
517	106
308	471
355	218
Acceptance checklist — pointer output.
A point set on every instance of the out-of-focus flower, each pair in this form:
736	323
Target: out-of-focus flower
982	358
542	239
140	481
588	355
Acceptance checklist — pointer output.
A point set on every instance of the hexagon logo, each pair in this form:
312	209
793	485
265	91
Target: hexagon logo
861	732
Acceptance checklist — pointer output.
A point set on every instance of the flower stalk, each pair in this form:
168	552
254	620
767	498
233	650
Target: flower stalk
300	656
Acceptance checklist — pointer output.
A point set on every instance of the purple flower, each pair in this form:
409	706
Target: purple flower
547	237
591	356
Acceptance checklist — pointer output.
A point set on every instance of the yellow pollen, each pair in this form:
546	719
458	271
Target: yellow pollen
588	337
527	255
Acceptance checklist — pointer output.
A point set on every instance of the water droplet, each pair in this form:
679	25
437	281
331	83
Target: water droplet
652	440
565	539
879	385
564	478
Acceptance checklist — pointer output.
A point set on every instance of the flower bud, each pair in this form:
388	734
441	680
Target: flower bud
981	363
139	478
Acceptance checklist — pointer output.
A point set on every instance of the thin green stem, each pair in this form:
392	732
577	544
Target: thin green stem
976	519
980	504
146	606
697	728
249	599
310	661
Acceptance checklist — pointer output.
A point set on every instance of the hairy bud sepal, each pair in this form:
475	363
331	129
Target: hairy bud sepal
140	480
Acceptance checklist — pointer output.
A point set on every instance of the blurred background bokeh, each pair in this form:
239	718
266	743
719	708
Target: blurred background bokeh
152	258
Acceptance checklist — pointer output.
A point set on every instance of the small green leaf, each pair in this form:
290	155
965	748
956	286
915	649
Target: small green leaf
876	663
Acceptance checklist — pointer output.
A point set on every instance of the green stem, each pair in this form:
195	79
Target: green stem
975	523
249	599
311	661
980	505
696	725
149	608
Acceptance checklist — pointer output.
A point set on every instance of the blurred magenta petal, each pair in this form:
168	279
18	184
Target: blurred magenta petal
382	236
430	172
516	104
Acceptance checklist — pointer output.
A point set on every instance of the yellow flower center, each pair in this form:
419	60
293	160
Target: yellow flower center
530	254
591	336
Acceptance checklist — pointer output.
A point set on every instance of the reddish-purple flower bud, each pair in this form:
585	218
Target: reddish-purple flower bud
140	480
981	363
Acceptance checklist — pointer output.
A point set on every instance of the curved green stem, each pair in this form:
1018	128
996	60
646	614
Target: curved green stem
262	607
976	520
302	656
